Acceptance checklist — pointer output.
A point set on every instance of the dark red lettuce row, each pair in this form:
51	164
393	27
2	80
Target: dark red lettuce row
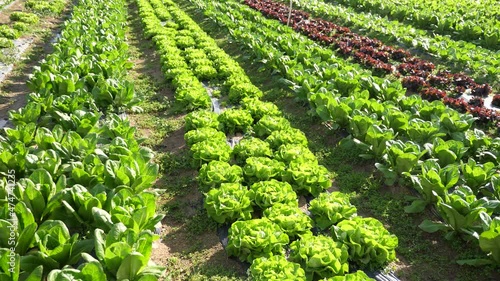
418	75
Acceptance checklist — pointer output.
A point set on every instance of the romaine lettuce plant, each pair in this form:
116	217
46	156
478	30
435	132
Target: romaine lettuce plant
228	203
275	268
251	239
290	218
401	157
320	256
370	244
489	240
447	152
308	177
477	175
214	173
461	212
124	253
330	208
265	194
431	183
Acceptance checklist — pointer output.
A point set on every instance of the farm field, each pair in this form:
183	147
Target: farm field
244	140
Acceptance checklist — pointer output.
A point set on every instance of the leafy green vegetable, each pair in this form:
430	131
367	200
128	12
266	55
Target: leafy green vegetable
294	152
289	136
228	203
251	147
256	238
259	109
462	212
308	177
265	194
357	276
290	218
370	244
275	268
209	150
24	17
235	121
489	240
330	208
262	168
431	183
204	133
401	158
237	92
214	173
269	123
201	118
447	152
476	175
320	256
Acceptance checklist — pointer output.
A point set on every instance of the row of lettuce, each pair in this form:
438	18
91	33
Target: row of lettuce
418	75
254	166
74	177
481	63
475	21
22	22
417	143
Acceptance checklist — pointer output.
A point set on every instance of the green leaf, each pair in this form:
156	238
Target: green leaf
93	271
36	274
431	227
416	206
115	254
131	266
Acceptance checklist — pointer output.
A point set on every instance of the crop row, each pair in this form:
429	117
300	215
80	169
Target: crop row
482	63
418	143
475	21
253	186
21	22
419	75
74	204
